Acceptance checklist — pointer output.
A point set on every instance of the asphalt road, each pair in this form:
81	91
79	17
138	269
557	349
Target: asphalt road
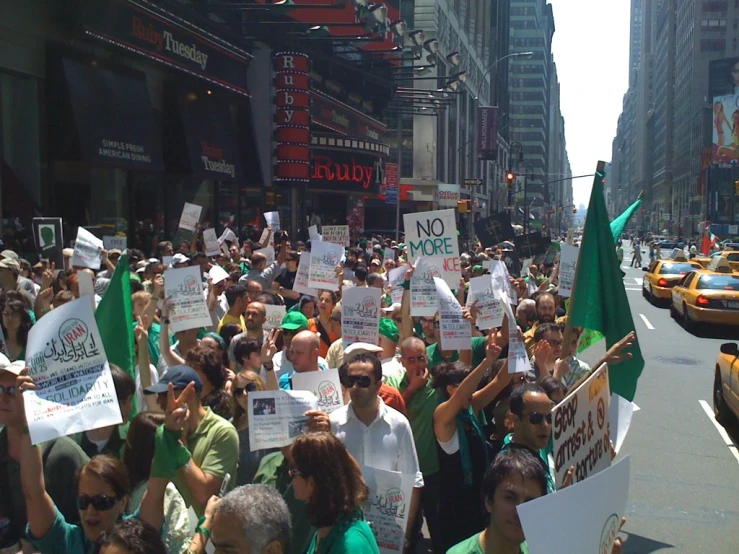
684	490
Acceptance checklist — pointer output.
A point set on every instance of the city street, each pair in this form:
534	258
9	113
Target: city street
684	477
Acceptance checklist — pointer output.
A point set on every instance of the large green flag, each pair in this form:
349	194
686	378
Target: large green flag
619	224
114	316
599	302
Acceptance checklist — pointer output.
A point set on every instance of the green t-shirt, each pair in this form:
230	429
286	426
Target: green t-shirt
421	416
214	447
473	546
273	472
478	353
350	535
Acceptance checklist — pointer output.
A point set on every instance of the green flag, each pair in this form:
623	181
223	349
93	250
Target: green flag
114	316
599	302
619	224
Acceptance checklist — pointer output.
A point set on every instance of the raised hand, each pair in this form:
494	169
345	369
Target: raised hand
47	277
616	353
269	348
141	331
175	417
492	350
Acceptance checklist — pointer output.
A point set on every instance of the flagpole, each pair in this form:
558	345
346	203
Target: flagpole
566	346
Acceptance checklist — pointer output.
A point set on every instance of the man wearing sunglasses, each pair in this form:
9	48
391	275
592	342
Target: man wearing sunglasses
531	414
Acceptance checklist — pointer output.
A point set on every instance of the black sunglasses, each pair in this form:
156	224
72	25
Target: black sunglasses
10	390
100	502
535	418
364	381
250	387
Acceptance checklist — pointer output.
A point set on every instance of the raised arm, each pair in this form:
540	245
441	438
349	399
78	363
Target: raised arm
170	358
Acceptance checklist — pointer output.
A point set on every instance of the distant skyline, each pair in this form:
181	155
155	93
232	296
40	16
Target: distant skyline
591	50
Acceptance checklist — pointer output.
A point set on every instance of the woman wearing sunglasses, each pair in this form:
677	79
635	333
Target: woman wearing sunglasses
329	480
244	383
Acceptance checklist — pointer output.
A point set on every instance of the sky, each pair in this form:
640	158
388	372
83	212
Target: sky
591	50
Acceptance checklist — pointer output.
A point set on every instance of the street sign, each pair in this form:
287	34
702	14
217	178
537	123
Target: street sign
472	182
391	182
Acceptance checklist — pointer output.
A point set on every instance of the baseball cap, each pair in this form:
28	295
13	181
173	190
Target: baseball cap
114	252
294	321
389	329
9	254
180	376
180	259
11	264
358	348
375	262
68	252
11	367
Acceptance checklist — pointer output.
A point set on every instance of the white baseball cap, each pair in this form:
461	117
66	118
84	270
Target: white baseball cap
11	367
358	348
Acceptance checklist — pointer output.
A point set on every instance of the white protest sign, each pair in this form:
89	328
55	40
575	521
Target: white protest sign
448	196
336	234
217	274
67	361
212	246
190	216
596	504
273	220
518	358
324	258
265	235
87	250
324	384
87	287
567	266
313	233
490	308
302	276
501	281
360	315
619	417
389	254
434	235
455	332
227	235
269	253
387	507
396	278
275	315
184	288
115	242
581	430
424	301
277	417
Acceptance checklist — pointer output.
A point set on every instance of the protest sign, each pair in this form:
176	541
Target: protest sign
266	237
228	235
277	417
313	233
303	275
324	384
268	252
494	229
49	238
531	244
567	266
111	242
360	315
212	246
501	282
581	430
596	504
518	358
455	332
336	234
184	289
424	301
324	258
490	307
86	287
87	250
396	278
67	361
190	216
387	507
434	235
275	315
389	254
619	417
273	220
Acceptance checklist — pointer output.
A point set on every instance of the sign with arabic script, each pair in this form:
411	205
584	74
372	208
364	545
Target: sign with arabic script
184	291
324	384
387	506
360	315
67	361
324	258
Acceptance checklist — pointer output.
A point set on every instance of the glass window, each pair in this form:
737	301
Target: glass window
675	269
718	282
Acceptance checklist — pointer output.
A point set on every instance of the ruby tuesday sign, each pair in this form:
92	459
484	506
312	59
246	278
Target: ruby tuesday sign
346	170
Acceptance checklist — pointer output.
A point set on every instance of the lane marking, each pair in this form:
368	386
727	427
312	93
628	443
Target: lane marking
646	322
721	431
627	288
639	280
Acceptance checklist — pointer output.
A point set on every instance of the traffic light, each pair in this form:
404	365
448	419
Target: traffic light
463	206
736	187
510	177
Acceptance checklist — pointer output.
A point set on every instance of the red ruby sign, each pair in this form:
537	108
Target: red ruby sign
292	118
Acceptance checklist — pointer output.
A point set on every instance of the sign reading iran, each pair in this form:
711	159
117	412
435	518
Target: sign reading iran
434	235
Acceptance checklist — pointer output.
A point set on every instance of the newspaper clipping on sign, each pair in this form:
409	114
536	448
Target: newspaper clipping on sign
360	315
184	290
277	417
387	507
324	384
67	361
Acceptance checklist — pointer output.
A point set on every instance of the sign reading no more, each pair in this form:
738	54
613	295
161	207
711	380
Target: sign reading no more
434	235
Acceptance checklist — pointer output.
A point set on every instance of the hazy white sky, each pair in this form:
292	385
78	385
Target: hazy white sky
591	49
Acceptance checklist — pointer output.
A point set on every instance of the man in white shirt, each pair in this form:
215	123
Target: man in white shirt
389	337
375	434
292	324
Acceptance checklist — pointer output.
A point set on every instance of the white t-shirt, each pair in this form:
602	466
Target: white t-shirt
140	402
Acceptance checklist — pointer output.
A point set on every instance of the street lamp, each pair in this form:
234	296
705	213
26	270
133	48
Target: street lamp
526	55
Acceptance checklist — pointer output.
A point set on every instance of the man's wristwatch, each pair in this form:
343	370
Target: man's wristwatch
269	366
165	321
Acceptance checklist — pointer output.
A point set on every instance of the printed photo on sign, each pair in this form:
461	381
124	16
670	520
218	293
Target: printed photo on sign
424	301
184	290
67	361
275	315
324	258
47	232
387	508
434	235
360	315
277	417
325	385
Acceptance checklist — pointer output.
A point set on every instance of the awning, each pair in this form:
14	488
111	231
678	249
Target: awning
113	116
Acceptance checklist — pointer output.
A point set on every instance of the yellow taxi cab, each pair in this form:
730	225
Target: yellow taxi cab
726	383
662	275
731	255
707	296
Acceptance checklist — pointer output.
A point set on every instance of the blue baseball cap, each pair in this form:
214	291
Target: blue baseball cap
180	376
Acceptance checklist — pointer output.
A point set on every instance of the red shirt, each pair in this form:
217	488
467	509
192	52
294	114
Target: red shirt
392	398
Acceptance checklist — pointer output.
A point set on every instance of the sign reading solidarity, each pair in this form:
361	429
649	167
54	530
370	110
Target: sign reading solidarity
434	235
494	229
581	429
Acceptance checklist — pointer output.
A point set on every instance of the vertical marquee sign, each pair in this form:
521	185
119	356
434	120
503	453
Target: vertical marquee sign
292	118
487	133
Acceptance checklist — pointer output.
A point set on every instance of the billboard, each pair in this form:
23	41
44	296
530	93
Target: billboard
723	89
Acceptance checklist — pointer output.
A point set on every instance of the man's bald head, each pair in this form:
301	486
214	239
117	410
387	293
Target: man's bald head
304	350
